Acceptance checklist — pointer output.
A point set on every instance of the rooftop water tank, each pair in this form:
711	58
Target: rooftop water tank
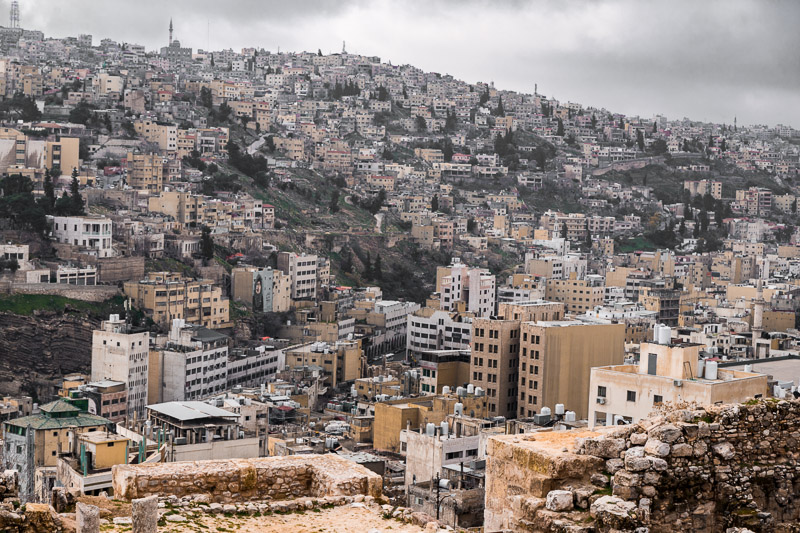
445	428
545	411
664	335
711	369
559	408
459	409
445	390
470	389
460	391
569	416
479	391
430	429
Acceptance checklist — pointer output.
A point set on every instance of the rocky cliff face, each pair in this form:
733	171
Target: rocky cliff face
36	351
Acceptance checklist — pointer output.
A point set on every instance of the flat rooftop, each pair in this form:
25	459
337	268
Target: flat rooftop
783	370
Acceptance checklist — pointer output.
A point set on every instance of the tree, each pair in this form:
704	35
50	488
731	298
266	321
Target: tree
347	261
420	123
703	219
435	203
333	206
682	228
794	205
471	225
20	107
75	198
655	128
49	191
594	121
660	147
696	231
447	149
81	113
640	140
499	111
368	267
564	232
377	272
206	244
560	128
206	98
319	52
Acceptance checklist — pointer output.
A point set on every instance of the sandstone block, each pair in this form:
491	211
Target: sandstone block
682	450
603	447
87	518
145	515
668	433
724	450
657	448
613	513
638	439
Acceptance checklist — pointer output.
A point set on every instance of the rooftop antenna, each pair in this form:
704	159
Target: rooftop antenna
14	18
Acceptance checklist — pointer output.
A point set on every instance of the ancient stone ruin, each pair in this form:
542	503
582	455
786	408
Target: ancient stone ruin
710	469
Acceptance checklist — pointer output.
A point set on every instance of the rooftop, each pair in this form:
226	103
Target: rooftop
184	411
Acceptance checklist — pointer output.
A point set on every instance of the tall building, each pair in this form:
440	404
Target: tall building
475	287
262	289
121	354
302	271
191	365
495	363
145	171
577	295
555	361
434	329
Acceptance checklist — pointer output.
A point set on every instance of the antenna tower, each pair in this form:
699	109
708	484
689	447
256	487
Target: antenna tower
14	18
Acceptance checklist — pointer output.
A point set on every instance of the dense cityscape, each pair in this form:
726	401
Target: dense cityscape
238	287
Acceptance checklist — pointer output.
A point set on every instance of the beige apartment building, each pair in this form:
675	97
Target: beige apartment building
275	288
339	361
302	271
556	359
186	208
145	171
165	296
665	373
577	295
532	311
163	134
495	363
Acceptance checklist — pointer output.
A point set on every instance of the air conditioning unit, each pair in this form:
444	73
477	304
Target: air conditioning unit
678	383
601	401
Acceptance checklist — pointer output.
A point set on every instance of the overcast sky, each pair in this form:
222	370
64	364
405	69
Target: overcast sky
706	60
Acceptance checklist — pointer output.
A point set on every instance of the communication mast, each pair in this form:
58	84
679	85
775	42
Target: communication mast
14	18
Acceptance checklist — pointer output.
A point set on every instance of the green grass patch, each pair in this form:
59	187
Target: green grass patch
26	304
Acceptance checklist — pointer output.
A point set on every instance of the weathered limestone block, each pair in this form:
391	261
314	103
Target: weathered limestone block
604	447
88	518
614	513
725	450
656	447
682	450
638	439
666	433
559	500
145	515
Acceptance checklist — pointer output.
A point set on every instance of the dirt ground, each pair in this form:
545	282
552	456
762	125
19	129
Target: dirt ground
344	519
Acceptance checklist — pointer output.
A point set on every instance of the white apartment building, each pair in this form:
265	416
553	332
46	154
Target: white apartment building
191	366
118	354
90	232
434	329
473	286
302	270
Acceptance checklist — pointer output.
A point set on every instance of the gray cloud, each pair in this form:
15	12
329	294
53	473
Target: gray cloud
709	60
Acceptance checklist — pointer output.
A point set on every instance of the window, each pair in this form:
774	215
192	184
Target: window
631	396
601	392
657	399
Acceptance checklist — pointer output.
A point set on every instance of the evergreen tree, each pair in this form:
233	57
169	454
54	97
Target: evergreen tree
368	268
560	128
655	127
377	269
206	244
49	191
499	111
640	140
334	204
75	198
347	261
564	230
435	203
682	228
594	121
703	220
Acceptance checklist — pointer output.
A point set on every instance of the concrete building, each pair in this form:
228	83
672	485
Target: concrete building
340	361
475	287
261	289
165	296
302	271
495	363
121	354
92	233
577	295
192	365
443	368
434	329
556	358
666	372
145	171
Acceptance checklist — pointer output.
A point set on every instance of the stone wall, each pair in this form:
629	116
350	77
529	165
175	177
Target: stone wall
703	470
239	480
87	293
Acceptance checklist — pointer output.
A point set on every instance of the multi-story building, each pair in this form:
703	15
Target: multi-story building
495	363
145	171
434	329
90	232
191	365
756	201
340	361
163	134
475	287
665	373
120	354
577	295
33	442
165	296
555	360
302	271
186	208
703	187
443	368
262	289
665	302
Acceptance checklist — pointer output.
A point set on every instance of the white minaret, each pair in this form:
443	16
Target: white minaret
758	309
